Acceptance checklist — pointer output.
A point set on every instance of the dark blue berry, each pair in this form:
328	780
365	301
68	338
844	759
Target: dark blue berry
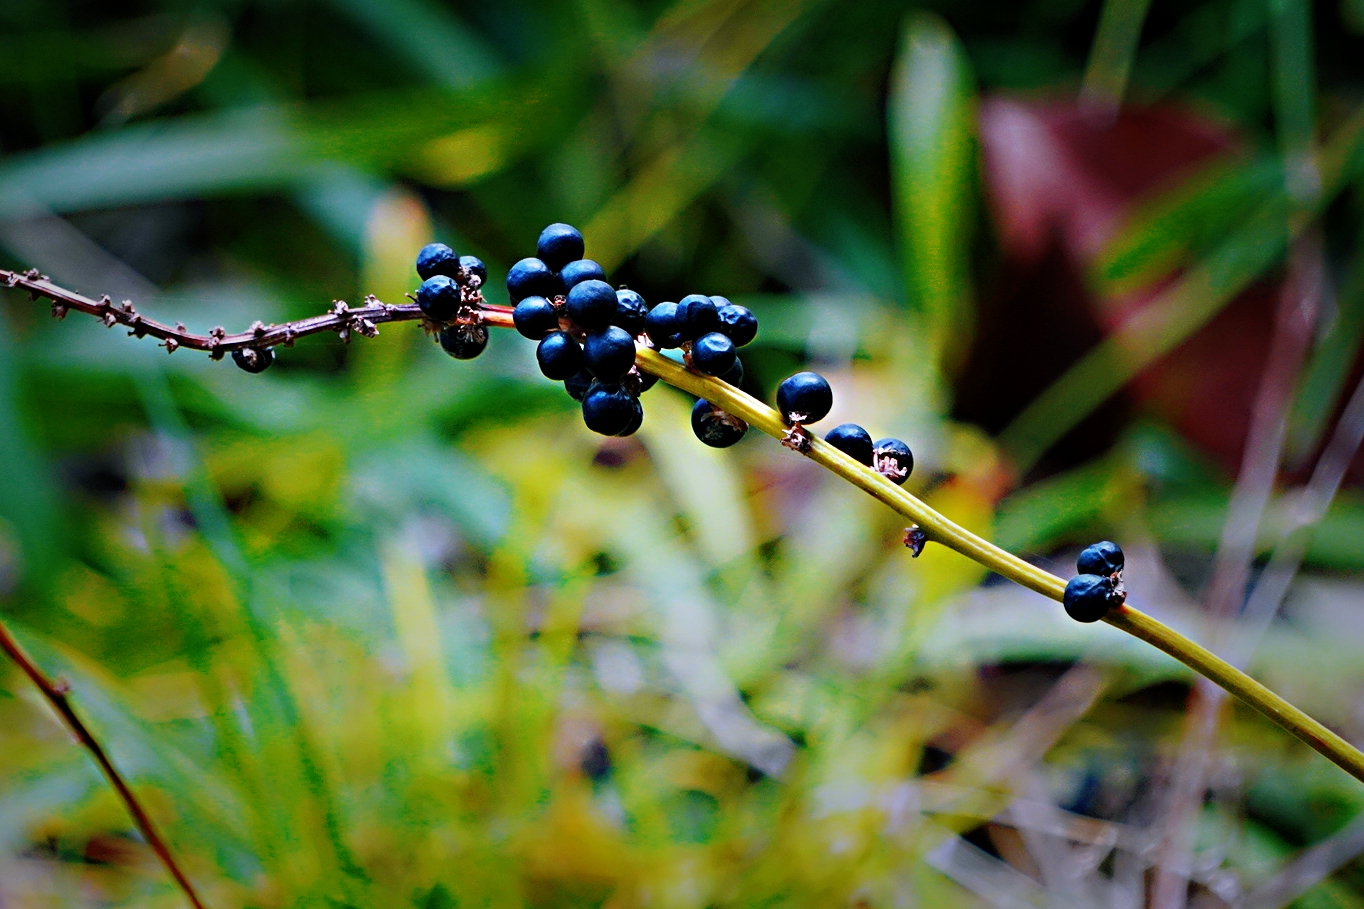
474	268
662	326
581	270
1103	558
253	359
437	259
804	398
439	298
559	355
577	384
719	301
535	317
532	278
636	421
735	376
853	441
713	354
559	245
463	342
1089	597
609	409
738	323
893	460
697	315
714	427
630	311
609	353
645	381
592	304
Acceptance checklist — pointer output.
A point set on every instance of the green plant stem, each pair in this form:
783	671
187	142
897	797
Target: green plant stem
943	531
56	695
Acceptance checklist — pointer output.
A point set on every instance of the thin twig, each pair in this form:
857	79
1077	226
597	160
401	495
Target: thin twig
56	694
935	526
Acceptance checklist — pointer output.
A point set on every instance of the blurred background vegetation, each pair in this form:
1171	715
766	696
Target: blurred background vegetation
377	628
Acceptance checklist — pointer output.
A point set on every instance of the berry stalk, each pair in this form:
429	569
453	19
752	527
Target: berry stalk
941	530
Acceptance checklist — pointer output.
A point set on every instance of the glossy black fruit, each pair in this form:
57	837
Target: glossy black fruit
437	259
577	384
532	278
738	323
580	270
253	359
609	409
735	376
439	298
463	342
1088	597
591	304
559	245
713	354
559	355
853	441
804	398
714	427
534	317
1104	558
662	326
631	310
609	353
893	460
697	315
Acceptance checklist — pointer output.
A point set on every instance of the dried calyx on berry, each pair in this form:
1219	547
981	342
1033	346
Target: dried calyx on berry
714	427
253	359
893	460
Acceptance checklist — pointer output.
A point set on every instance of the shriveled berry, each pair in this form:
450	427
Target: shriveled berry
663	326
893	460
474	268
559	355
463	342
853	441
437	259
713	354
580	270
532	278
577	384
591	304
1103	558
534	317
609	353
697	315
735	376
439	298
804	398
630	311
253	359
738	322
1088	597
608	408
714	427
559	245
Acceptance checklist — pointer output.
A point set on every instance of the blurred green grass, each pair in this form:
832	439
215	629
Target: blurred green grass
379	629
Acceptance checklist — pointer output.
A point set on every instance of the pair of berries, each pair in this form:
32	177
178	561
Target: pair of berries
450	287
1098	587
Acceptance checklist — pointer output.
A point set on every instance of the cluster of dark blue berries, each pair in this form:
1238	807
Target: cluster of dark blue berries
450	298
1098	587
588	330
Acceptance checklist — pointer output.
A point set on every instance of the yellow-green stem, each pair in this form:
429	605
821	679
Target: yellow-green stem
944	532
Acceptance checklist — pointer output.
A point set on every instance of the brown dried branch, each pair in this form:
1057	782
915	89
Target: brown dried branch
56	694
342	318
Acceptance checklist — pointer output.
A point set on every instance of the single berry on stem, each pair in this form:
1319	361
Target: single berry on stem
804	398
581	270
253	359
532	278
663	327
439	298
609	353
437	259
697	315
535	317
1103	558
893	460
609	409
559	355
464	341
737	322
631	311
853	441
474	268
591	304
1089	597
714	427
713	354
559	244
